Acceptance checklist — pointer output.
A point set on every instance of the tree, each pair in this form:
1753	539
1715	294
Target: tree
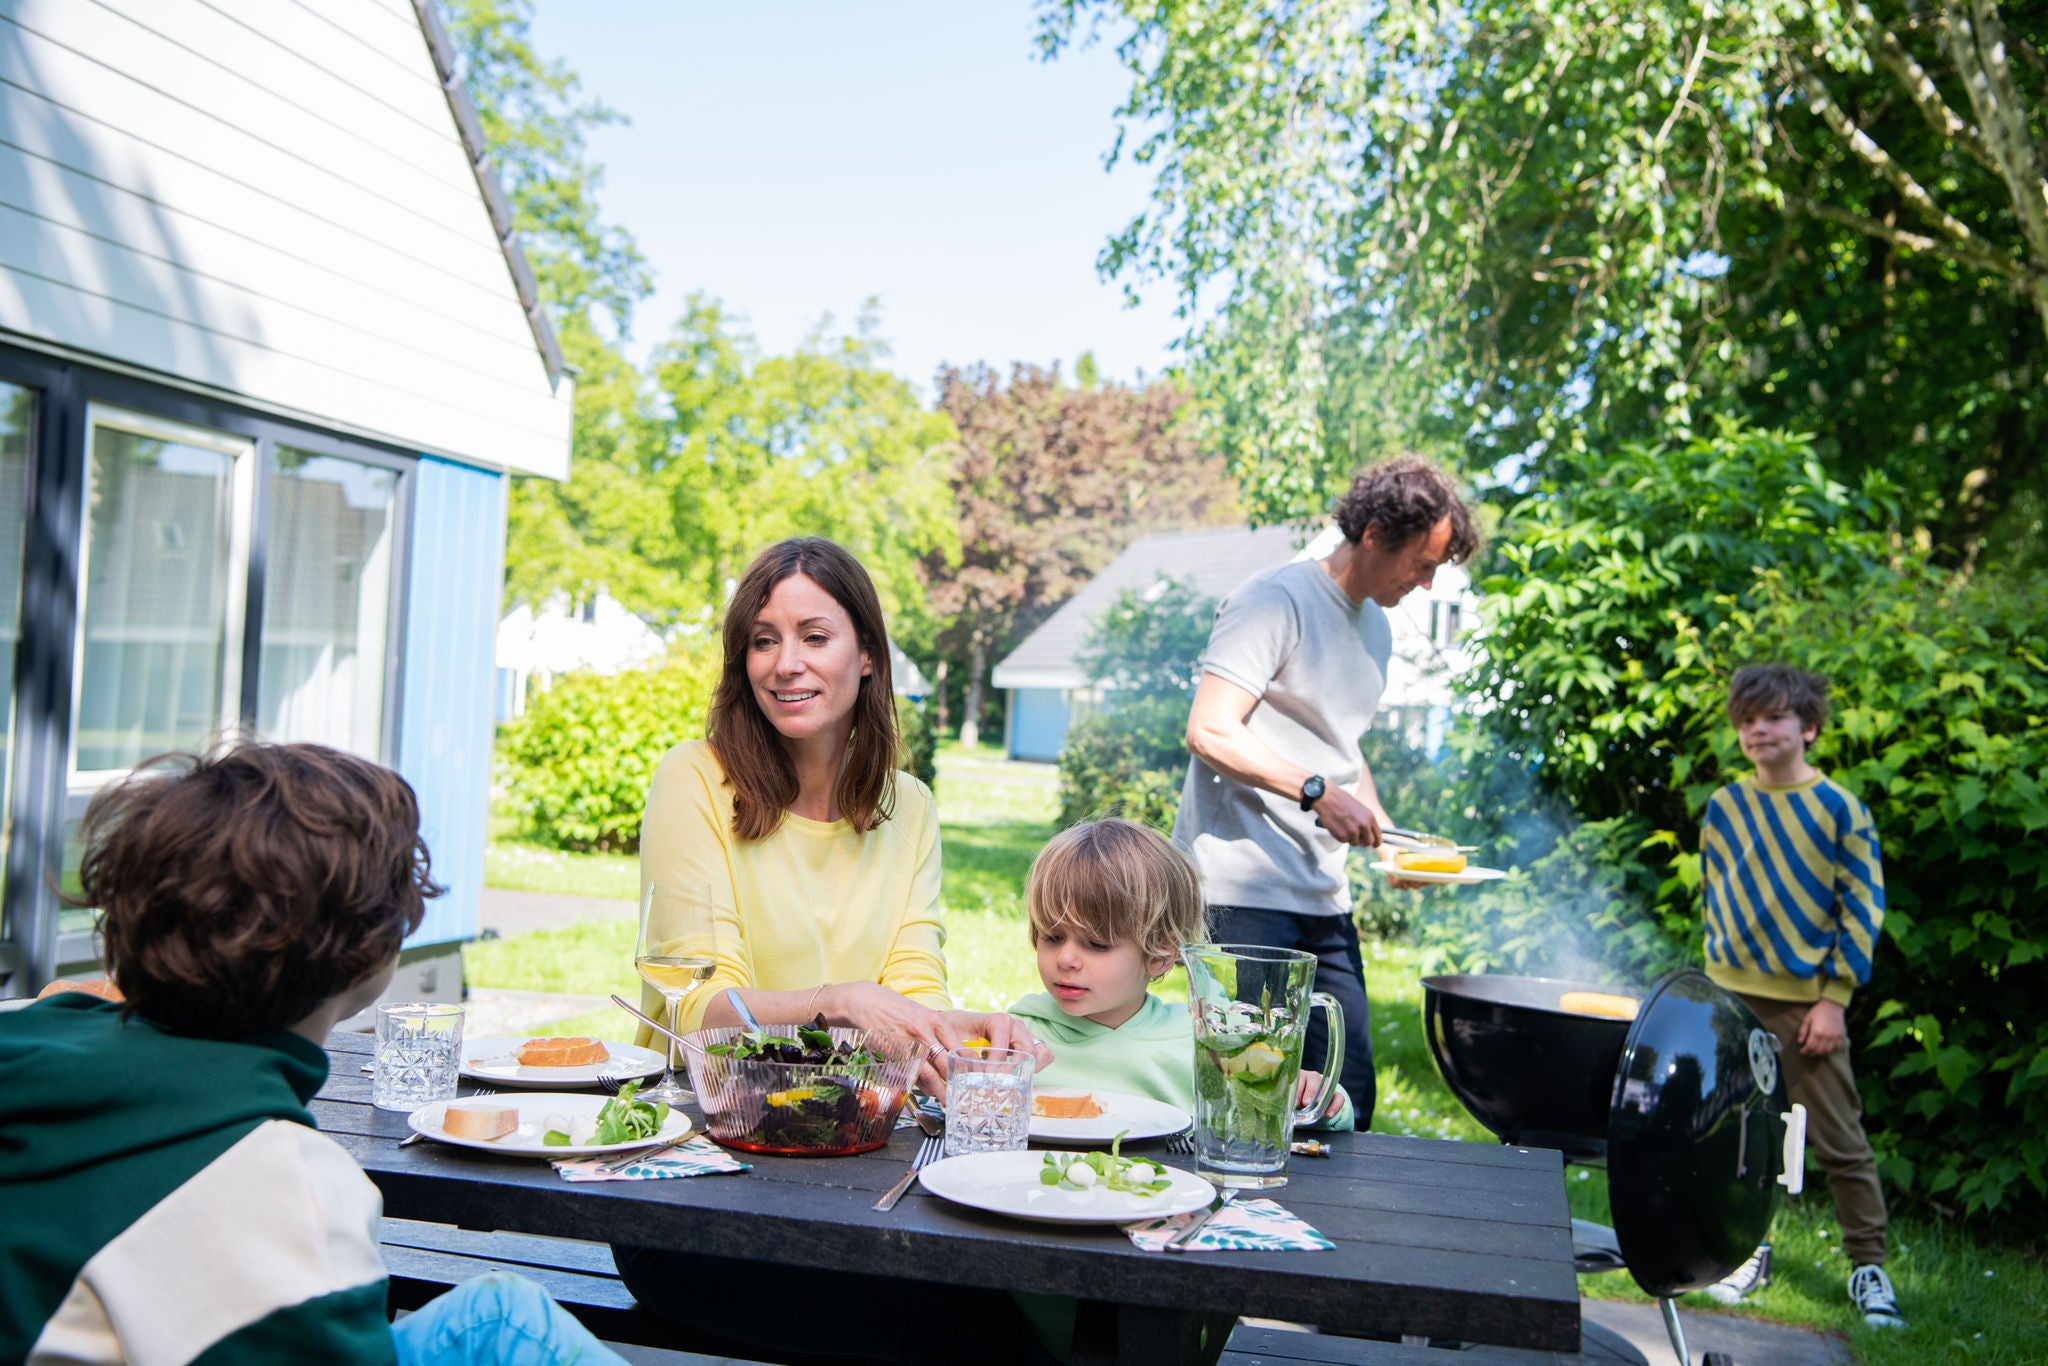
1049	484
1507	229
820	442
593	532
536	125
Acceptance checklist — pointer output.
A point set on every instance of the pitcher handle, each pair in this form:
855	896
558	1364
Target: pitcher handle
1333	1066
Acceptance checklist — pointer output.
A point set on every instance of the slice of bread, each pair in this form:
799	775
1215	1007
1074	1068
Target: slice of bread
562	1052
479	1120
91	986
1057	1106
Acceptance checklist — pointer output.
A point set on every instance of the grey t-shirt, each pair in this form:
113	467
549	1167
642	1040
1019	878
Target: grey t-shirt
1318	665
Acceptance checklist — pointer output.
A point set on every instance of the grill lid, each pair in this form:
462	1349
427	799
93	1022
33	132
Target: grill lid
1695	1138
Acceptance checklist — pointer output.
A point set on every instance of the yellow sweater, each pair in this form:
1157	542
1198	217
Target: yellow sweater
815	902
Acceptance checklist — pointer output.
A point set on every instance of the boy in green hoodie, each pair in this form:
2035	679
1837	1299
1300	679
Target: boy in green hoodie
168	1197
1111	902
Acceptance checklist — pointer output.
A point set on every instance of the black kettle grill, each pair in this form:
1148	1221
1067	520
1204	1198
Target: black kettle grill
1683	1105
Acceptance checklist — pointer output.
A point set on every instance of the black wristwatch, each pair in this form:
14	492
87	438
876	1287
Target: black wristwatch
1311	790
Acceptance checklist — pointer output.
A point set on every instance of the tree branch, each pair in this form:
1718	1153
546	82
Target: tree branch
1882	162
1921	89
2003	115
1968	253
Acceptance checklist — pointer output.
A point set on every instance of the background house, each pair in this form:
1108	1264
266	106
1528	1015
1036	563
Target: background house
268	354
1048	689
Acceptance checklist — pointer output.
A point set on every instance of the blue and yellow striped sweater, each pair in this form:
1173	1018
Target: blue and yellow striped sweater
1794	890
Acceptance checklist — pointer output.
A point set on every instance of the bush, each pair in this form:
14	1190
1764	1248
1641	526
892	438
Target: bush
1127	760
578	763
920	743
1939	722
1130	758
1625	594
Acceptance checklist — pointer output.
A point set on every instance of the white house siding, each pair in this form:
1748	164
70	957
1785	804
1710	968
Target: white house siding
268	198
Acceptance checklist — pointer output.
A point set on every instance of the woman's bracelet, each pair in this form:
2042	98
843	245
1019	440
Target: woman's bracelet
808	1016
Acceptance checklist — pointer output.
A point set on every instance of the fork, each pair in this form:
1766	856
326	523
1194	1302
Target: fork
416	1135
927	1153
1183	1143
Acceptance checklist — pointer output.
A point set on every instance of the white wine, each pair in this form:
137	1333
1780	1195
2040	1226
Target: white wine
675	975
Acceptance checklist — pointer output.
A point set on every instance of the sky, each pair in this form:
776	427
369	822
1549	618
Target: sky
795	158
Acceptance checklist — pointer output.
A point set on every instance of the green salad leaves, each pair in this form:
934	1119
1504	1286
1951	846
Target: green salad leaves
1104	1171
622	1120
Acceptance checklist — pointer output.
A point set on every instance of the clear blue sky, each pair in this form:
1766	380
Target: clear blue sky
794	158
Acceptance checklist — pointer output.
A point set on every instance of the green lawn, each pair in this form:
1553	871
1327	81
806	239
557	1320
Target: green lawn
1968	1302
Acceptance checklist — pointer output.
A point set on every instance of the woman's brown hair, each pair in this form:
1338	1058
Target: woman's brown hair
749	748
240	889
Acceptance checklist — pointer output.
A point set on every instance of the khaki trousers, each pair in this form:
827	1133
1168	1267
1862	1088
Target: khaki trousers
1834	1128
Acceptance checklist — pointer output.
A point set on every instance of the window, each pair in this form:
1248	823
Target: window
327	602
1444	621
17	419
159	649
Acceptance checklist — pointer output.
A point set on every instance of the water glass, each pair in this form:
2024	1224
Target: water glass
418	1046
988	1100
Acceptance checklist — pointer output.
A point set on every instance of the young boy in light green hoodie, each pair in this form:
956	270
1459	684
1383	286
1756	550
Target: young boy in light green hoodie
1111	902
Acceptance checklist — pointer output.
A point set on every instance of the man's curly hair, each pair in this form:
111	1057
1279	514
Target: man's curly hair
240	889
1405	497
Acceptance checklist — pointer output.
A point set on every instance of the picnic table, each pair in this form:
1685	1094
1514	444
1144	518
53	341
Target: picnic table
1446	1239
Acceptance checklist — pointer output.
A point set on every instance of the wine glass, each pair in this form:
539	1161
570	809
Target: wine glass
677	950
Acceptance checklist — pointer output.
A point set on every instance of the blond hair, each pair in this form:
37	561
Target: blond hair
1117	882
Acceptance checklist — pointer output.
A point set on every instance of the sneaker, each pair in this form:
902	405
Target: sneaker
1744	1280
1870	1290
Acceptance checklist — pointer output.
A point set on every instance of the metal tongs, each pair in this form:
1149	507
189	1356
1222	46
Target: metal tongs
1415	839
655	1025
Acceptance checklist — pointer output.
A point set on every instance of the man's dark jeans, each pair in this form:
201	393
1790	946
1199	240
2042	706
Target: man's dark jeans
1340	971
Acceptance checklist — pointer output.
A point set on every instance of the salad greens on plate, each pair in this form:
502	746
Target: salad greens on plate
622	1120
1104	1171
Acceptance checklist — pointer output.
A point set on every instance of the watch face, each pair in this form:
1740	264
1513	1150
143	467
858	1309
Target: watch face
1311	791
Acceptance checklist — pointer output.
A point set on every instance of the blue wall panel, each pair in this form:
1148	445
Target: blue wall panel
1038	723
444	742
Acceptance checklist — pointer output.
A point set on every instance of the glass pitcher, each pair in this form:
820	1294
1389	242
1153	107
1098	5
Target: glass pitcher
1251	1005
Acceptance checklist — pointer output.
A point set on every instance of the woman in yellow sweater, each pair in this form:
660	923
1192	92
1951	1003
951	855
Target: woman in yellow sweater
794	805
824	855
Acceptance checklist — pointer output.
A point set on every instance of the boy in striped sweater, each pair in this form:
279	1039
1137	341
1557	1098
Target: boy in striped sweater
164	1194
1794	896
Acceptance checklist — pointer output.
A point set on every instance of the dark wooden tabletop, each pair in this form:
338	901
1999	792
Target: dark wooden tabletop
1458	1240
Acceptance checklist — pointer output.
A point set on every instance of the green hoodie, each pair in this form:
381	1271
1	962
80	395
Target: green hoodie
170	1199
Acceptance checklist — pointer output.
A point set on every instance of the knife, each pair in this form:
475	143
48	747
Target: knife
1179	1241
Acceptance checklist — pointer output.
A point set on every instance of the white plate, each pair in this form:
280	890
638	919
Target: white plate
497	1061
534	1108
1007	1183
1134	1117
1471	874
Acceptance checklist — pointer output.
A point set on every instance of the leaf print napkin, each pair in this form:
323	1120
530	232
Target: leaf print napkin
695	1156
1241	1226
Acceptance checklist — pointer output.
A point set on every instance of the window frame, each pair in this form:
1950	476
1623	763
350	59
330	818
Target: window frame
71	388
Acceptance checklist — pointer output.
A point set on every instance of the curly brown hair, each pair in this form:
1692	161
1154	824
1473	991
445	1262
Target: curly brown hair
1405	497
749	748
1758	688
240	889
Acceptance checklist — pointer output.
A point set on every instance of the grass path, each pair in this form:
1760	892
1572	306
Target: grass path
1968	1302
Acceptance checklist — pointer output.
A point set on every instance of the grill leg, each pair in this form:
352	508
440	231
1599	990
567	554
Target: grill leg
1670	1308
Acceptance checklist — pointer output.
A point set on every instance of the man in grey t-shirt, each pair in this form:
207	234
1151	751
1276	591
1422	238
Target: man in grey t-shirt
1277	792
